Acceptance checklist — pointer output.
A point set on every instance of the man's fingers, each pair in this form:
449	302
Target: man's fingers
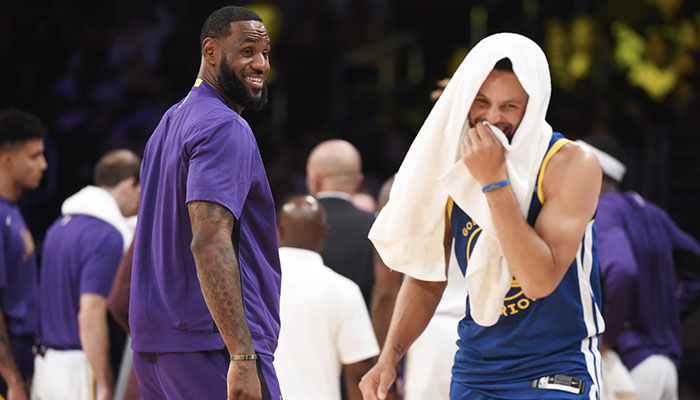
368	388
386	378
487	135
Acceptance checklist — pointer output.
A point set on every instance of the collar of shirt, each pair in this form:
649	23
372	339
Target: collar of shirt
334	194
299	256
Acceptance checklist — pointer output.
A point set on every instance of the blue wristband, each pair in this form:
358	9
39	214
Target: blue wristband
495	186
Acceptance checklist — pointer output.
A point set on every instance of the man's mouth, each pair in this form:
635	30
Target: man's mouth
255	82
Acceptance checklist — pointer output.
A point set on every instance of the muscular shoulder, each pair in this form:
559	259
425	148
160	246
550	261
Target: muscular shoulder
570	168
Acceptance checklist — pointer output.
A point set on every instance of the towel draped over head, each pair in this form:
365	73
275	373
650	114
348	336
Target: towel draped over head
409	231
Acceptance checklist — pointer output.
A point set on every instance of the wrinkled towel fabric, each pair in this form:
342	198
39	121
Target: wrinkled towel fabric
408	233
96	202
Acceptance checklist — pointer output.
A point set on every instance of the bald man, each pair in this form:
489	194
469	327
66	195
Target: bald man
81	253
325	325
333	175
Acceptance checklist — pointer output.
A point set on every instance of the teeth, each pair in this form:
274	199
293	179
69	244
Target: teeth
255	80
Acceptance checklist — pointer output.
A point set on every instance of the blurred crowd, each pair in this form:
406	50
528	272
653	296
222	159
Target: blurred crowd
100	75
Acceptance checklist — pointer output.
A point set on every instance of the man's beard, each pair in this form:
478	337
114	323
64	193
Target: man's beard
237	91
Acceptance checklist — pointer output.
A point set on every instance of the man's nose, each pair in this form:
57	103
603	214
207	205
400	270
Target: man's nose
493	115
261	63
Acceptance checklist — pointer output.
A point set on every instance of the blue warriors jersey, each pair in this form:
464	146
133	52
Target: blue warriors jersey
558	334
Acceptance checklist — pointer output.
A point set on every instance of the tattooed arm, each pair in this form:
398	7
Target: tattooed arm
8	367
220	279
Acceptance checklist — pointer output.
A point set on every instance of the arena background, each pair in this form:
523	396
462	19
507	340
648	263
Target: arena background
100	75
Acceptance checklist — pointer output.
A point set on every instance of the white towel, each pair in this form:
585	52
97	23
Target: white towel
98	203
408	232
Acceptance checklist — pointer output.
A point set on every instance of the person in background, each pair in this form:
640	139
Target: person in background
333	175
22	165
325	323
649	271
81	252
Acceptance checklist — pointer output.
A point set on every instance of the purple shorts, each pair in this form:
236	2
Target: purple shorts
195	375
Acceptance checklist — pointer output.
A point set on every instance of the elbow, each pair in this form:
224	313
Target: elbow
538	291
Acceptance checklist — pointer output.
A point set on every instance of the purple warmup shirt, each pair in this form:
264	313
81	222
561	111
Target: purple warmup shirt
636	240
201	150
19	286
80	255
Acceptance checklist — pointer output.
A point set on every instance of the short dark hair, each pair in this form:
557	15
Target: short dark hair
116	166
504	64
218	24
17	127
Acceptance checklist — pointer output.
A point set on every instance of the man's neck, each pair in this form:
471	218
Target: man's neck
211	81
9	190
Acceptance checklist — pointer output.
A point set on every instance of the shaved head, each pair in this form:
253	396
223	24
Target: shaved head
302	223
334	165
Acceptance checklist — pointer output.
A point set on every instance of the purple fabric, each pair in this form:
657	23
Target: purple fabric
201	150
19	284
193	375
636	240
80	255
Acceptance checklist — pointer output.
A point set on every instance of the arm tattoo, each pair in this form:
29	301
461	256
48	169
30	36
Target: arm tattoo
219	274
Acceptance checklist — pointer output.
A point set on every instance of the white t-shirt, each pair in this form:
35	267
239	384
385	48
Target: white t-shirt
325	324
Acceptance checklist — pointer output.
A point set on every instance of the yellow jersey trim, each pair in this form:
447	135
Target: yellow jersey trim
557	145
450	205
469	243
197	82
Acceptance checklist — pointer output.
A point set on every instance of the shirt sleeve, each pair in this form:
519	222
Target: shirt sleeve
619	271
356	339
220	163
101	262
686	257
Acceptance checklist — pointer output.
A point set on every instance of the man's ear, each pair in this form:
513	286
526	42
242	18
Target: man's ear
5	159
360	179
129	182
210	51
313	183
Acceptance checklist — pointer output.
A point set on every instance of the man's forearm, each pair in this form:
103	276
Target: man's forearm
415	306
384	292
220	279
94	338
529	257
8	367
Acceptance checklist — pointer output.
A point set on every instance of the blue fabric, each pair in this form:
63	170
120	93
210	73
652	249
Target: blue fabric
557	334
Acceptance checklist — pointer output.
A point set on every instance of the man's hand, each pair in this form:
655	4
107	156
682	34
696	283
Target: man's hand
16	391
242	381
375	384
103	393
483	154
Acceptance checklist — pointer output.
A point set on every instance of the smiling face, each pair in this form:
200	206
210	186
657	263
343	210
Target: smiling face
244	64
501	100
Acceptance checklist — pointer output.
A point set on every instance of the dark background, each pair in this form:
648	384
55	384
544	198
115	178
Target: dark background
100	75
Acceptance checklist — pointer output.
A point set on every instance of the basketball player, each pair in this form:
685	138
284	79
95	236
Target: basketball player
205	280
545	342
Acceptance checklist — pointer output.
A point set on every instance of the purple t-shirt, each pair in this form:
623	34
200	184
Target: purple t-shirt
80	255
636	240
201	150
19	286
